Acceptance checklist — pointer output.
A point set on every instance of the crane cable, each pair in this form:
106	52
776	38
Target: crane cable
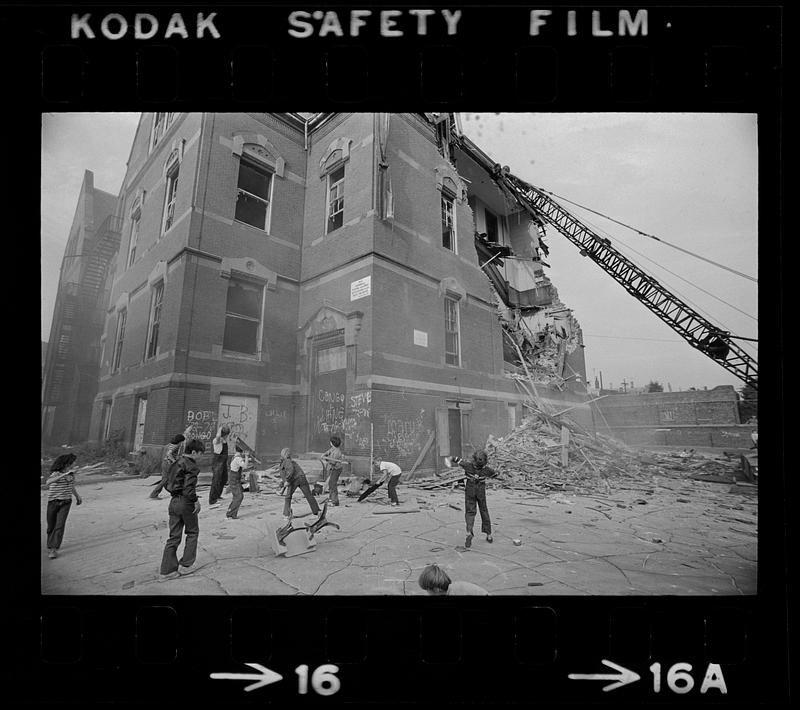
737	337
652	236
691	283
678	276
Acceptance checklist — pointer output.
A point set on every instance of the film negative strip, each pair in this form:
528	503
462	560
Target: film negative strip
342	310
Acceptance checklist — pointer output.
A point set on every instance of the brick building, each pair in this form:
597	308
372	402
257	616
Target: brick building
708	417
719	405
295	275
71	364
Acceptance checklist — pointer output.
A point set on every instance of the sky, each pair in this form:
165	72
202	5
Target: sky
689	179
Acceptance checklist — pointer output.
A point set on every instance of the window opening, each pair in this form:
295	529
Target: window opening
155	319
252	200
120	339
448	222
170	197
335	199
451	329
243	318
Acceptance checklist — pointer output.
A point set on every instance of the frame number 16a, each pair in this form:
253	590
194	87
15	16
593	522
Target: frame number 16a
680	681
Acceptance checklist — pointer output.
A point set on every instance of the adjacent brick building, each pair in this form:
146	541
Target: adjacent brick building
719	405
71	365
296	275
690	418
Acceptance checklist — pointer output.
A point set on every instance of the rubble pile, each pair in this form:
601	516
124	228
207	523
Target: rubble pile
530	458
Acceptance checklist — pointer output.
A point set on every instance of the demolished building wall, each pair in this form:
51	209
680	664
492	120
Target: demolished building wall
544	330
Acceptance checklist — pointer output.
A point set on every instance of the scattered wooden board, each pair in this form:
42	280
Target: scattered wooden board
385	510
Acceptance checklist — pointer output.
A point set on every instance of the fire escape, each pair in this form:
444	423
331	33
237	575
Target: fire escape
74	357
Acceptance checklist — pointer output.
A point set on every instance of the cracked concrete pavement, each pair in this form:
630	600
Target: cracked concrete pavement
687	537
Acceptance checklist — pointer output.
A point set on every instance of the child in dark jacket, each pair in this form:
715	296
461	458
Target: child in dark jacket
184	508
475	493
172	452
294	478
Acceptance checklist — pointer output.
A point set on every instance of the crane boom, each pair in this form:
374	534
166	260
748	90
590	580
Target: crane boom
699	332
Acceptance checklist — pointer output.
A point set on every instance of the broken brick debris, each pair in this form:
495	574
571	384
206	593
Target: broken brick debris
530	458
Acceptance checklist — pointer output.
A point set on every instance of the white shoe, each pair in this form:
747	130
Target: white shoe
186	570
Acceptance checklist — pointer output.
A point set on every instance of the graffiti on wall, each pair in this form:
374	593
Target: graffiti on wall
202	424
356	423
277	424
329	412
405	434
240	415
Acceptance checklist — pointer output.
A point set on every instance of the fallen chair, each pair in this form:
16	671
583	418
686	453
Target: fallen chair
321	522
290	541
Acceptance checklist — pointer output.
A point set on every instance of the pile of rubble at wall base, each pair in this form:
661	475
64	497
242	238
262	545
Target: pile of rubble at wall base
530	458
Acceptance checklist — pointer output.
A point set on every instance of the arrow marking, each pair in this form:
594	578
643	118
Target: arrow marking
623	676
264	676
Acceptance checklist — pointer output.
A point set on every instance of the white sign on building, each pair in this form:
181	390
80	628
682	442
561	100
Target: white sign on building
421	338
360	288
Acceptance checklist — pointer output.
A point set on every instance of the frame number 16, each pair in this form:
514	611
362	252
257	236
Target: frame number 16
324	680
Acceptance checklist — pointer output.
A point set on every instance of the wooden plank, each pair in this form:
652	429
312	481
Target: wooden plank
395	509
564	446
424	451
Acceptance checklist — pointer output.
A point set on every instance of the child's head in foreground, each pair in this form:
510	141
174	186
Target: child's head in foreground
434	580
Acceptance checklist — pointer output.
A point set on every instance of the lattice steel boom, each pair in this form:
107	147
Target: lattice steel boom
684	320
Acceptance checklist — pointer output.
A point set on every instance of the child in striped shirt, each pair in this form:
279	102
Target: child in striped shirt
61	483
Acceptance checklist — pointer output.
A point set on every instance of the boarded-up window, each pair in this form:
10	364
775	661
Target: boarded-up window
451	334
243	317
335	199
331	359
105	420
252	200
